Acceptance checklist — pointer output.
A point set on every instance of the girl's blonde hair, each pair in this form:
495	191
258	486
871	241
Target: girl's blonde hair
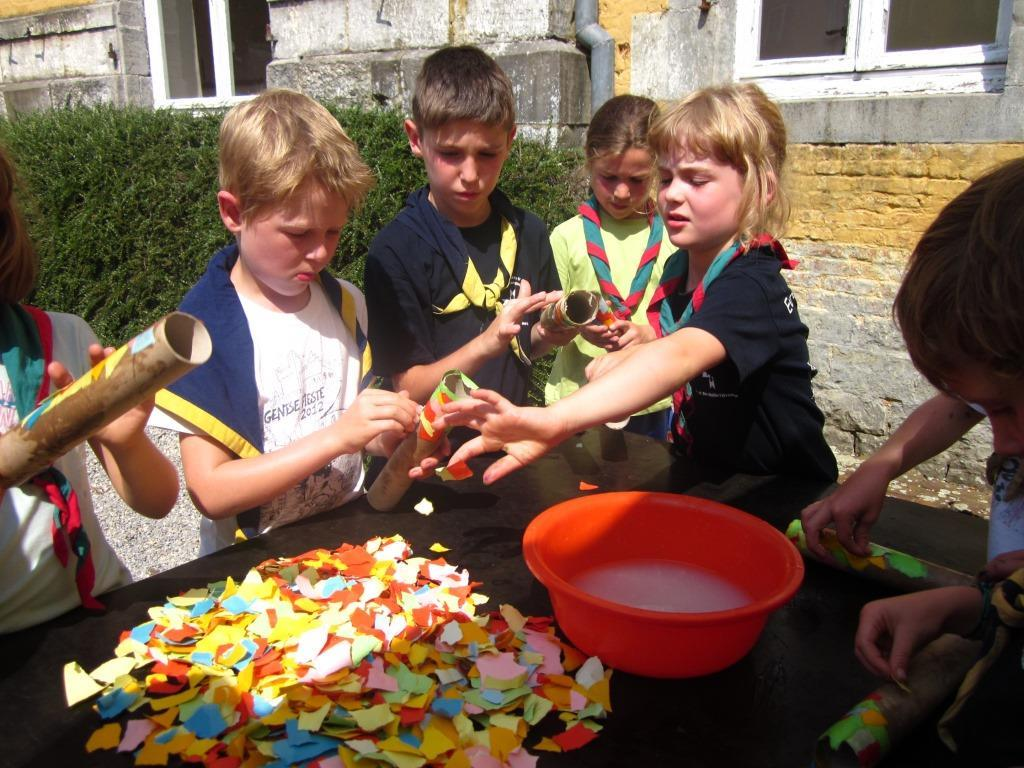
18	265
740	126
275	144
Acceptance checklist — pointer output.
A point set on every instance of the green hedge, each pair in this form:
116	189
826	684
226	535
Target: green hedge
121	203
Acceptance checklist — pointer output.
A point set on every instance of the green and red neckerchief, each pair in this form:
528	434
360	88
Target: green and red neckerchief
26	349
623	308
659	311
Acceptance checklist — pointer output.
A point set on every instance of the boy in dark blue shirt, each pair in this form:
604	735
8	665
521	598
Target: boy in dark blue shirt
456	279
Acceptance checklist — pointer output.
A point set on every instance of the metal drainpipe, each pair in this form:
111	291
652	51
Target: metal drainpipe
593	37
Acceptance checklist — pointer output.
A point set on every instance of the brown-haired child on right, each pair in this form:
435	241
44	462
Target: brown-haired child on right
960	310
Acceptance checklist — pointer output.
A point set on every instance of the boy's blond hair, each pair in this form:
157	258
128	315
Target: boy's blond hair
273	145
18	264
740	126
462	83
961	302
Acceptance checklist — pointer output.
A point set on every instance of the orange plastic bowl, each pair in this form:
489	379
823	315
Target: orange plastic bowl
575	536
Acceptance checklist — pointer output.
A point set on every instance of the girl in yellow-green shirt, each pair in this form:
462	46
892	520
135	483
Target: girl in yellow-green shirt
616	246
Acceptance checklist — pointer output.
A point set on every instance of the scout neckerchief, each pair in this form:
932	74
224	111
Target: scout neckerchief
623	308
26	348
659	311
474	292
351	322
1008	607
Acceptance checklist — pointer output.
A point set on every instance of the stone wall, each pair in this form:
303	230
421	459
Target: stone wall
369	52
858	210
90	54
616	16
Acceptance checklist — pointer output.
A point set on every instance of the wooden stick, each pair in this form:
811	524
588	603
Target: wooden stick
890	567
162	353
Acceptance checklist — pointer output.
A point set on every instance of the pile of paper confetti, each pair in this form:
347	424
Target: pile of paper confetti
361	656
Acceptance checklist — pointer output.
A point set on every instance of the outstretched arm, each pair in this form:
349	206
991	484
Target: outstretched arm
653	371
854	507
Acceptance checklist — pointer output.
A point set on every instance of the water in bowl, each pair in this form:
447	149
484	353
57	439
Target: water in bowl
661	585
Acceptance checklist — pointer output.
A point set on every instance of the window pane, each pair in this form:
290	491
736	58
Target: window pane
181	49
793	28
204	43
250	48
922	24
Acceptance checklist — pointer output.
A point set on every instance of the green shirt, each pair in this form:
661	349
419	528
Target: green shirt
624	242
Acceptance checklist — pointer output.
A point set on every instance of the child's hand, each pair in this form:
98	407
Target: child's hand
524	434
123	430
1001	566
374	414
892	630
627	333
600	335
554	337
854	507
509	322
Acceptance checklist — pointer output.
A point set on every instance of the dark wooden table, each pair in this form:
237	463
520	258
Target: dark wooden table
766	710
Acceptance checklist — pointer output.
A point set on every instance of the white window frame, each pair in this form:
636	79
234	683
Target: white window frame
223	66
866	69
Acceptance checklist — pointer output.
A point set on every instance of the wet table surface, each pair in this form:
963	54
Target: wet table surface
766	710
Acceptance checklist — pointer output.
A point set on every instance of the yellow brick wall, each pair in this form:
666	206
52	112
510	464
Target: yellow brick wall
10	8
616	16
880	195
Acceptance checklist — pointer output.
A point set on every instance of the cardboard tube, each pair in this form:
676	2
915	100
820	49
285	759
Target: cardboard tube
393	481
574	309
162	353
865	734
890	567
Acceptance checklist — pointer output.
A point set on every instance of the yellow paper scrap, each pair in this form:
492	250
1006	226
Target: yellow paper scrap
153	753
516	621
78	685
438	547
106	737
434	743
109	671
547	745
311	721
372	718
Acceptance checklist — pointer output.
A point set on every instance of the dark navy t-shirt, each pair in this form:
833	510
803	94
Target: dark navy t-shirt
406	278
755	412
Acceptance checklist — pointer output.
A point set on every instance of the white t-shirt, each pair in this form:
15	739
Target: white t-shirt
34	586
307	368
1006	520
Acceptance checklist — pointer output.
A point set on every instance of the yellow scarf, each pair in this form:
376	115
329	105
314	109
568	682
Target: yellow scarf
474	292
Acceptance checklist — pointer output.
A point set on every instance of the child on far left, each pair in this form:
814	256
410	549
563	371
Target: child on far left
53	555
